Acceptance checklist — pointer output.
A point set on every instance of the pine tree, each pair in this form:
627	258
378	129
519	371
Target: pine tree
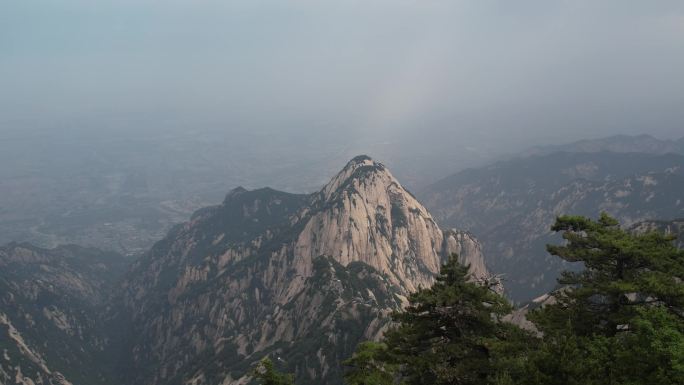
618	321
450	333
622	271
370	365
268	375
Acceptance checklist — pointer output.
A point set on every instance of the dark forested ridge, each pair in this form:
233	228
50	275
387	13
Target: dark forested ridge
51	302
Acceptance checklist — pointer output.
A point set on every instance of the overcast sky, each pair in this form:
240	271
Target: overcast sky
511	71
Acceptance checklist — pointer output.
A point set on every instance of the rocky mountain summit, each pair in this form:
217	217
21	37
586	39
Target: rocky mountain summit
303	278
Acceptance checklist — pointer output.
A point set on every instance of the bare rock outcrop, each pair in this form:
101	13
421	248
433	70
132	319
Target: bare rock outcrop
302	278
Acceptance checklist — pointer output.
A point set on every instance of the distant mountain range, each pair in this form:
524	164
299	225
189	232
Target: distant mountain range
619	143
510	205
302	278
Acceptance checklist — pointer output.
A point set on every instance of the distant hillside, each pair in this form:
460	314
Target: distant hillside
511	205
645	144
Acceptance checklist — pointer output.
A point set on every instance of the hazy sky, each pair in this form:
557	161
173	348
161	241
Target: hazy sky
511	71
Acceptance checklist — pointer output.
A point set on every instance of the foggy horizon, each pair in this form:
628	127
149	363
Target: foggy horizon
532	72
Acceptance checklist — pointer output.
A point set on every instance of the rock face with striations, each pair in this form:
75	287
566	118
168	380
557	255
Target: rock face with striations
302	278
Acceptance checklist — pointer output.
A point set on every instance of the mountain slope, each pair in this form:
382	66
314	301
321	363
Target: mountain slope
301	277
510	206
49	304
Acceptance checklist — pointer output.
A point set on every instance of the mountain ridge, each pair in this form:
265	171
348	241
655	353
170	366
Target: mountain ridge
510	205
195	298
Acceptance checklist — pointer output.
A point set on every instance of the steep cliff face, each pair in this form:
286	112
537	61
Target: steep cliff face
300	277
49	305
365	215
